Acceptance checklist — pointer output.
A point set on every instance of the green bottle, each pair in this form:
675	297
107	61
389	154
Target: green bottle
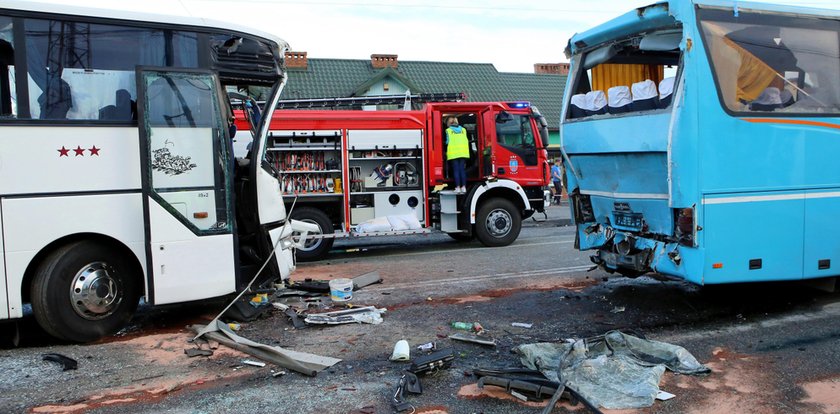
464	326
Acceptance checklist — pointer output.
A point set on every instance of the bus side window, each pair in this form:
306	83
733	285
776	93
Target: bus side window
8	101
633	76
86	71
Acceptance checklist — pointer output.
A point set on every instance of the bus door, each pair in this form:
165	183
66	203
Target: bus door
190	245
514	146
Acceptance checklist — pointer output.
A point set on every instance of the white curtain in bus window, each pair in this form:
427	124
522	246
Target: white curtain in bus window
776	69
80	70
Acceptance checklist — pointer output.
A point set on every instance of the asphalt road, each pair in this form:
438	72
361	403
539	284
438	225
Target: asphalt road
773	348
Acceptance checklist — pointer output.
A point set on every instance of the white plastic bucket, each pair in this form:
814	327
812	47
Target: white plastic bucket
341	290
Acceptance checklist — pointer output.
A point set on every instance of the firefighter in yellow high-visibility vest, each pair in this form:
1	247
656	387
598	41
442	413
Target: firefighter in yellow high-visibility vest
457	152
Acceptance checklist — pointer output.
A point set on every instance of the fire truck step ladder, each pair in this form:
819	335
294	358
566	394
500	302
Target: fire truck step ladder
406	100
449	212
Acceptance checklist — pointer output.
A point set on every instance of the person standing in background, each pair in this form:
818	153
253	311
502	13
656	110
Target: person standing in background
557	180
457	153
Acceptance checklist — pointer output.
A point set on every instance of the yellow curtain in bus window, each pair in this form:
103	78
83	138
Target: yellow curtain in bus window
182	157
741	75
608	75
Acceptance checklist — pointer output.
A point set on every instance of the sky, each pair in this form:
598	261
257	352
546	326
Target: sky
512	35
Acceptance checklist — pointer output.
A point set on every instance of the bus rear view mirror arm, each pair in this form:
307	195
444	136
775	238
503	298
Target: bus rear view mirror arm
304	229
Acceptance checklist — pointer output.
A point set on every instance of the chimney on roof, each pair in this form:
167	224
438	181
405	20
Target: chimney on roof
296	60
551	68
383	61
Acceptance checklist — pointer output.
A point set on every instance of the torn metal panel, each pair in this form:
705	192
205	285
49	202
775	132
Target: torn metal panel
304	363
368	314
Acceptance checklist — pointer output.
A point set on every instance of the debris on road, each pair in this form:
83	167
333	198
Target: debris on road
401	351
341	290
531	385
617	309
66	362
309	285
476	339
433	362
367	314
522	325
253	363
429	346
194	352
614	370
466	326
664	395
408	383
366	279
304	363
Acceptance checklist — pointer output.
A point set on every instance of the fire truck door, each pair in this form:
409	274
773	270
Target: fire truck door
514	146
186	188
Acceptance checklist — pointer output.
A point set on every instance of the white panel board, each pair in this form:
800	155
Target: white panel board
383	207
384	139
187	267
30	224
61	160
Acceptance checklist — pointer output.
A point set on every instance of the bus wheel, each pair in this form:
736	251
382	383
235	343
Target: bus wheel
314	249
497	223
84	291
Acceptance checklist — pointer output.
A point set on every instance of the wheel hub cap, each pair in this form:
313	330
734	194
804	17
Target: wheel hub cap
499	223
94	292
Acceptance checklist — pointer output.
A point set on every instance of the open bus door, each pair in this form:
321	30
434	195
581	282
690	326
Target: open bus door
512	145
190	234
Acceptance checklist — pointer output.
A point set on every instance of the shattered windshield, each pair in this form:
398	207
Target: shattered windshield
773	63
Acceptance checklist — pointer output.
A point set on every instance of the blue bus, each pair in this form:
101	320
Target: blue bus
701	140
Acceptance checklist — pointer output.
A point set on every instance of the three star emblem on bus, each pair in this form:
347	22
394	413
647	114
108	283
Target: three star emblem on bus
79	151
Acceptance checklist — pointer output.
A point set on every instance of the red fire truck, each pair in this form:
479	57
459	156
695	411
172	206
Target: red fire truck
359	173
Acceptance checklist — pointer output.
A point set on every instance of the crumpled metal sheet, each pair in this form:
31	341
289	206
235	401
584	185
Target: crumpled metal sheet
614	370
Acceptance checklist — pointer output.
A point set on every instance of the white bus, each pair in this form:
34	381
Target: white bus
117	178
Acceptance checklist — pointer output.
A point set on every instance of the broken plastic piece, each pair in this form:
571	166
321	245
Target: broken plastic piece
664	395
476	339
522	325
366	279
401	351
253	363
66	362
194	352
430	346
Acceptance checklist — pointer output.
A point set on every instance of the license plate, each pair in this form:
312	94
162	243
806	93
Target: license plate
628	220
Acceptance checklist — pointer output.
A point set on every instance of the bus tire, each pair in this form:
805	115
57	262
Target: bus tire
497	222
84	291
461	237
315	249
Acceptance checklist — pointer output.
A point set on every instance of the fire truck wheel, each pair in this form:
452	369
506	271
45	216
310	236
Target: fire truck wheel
84	291
497	223
314	249
461	237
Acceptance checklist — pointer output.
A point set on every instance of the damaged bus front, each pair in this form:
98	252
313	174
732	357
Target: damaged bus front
698	139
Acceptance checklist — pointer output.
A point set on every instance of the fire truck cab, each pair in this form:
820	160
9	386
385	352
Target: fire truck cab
373	173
